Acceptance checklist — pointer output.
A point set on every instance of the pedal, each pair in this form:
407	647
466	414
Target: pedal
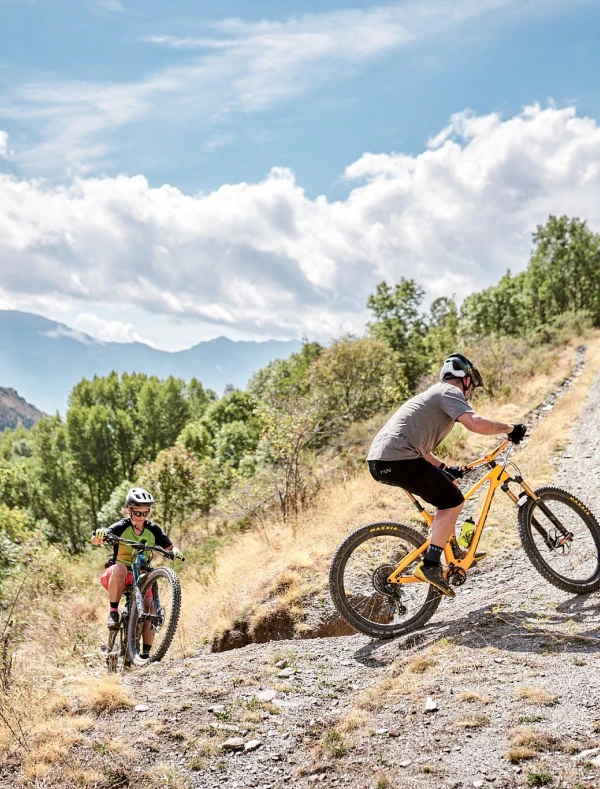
456	575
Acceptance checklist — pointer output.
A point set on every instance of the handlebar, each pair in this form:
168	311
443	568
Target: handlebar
141	546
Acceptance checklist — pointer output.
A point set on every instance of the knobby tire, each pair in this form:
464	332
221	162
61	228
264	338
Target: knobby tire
170	626
345	605
540	555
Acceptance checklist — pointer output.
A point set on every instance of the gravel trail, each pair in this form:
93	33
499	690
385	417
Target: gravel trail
512	662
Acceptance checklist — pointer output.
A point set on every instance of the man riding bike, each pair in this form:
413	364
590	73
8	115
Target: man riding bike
401	453
117	575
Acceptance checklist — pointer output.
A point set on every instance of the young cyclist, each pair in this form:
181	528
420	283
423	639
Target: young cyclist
402	453
137	527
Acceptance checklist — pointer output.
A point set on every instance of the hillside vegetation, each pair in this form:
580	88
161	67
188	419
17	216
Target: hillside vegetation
15	411
258	486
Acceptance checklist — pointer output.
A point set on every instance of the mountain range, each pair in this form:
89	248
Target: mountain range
43	359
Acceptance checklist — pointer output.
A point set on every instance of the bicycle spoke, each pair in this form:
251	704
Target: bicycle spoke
564	541
360	576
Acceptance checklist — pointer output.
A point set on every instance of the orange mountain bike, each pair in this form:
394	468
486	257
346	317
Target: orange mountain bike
371	578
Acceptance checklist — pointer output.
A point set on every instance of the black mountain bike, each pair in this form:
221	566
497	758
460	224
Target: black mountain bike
151	612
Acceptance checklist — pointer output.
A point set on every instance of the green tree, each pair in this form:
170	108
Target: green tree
289	432
286	377
355	378
442	329
56	496
172	479
233	441
564	272
399	323
197	438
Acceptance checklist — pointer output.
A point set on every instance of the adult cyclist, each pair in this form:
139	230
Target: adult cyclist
402	453
135	526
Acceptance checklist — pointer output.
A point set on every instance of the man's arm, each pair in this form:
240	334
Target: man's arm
433	459
481	424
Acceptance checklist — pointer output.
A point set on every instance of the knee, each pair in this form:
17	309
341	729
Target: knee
119	572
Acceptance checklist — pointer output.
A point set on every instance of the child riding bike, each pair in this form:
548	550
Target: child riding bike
401	453
136	527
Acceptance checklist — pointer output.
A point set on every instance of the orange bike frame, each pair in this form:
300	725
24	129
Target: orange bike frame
497	476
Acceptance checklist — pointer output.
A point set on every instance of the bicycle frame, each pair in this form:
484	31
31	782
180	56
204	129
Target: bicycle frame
498	477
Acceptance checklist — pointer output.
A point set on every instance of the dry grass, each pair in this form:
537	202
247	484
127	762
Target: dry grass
278	563
528	743
103	694
419	665
535	695
472	721
472	697
355	719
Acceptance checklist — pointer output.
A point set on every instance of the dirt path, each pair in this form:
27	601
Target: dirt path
512	663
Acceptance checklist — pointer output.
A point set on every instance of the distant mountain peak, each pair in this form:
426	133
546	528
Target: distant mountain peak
44	359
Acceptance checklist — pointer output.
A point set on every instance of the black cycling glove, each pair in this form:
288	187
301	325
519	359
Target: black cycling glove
517	434
454	472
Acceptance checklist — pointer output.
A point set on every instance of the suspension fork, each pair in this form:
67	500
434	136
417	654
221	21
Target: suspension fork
531	494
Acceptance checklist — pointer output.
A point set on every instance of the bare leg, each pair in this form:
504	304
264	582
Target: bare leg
443	526
117	581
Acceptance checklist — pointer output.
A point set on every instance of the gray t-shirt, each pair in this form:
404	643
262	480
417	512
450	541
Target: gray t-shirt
420	424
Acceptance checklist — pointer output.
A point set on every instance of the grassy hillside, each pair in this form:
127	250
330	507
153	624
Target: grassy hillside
51	654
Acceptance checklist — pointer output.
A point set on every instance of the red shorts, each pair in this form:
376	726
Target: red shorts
104	578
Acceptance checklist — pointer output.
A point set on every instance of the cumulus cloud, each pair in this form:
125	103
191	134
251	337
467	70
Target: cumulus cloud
3	144
264	258
106	330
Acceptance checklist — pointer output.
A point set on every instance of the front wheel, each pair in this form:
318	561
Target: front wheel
155	626
358	581
561	537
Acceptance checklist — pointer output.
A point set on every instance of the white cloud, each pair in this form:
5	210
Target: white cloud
4	152
237	67
72	334
107	330
111	5
265	259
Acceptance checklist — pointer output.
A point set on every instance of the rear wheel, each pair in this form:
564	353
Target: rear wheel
358	581
561	537
156	624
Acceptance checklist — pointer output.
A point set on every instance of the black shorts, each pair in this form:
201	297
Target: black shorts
419	477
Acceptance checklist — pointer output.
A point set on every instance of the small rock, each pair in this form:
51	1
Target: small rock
430	705
233	744
286	673
281	664
252	745
141	708
404	763
477	784
217	708
585	754
381	731
266	695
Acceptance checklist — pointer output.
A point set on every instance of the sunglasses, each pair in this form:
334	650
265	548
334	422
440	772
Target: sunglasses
140	513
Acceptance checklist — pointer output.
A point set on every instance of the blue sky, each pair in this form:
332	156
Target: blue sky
199	95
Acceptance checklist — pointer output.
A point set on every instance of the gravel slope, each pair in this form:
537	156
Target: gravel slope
525	653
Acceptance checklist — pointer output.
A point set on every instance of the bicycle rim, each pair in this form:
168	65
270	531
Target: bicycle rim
161	595
573	562
358	582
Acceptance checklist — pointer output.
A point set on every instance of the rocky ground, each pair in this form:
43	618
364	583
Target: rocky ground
500	689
